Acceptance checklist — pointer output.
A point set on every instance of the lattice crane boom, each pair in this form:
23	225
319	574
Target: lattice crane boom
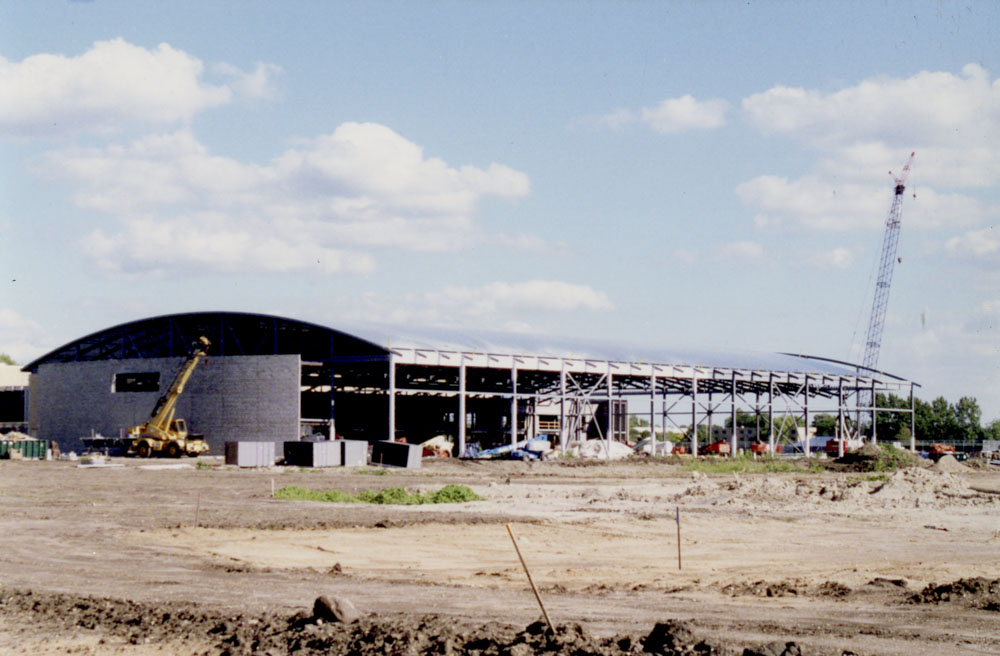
890	240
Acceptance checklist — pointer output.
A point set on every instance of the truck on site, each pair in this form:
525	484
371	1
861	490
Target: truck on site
161	434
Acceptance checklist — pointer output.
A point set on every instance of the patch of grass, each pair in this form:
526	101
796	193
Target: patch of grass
868	478
380	471
750	465
201	464
879	458
388	496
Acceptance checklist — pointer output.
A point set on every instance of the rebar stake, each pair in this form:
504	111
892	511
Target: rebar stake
530	582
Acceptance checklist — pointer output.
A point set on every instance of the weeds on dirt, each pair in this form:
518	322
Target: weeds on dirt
381	471
868	478
389	496
879	458
749	465
203	465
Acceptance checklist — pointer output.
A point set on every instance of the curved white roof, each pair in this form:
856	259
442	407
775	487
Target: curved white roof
442	339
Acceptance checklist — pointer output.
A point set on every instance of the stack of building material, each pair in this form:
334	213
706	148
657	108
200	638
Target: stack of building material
313	454
250	454
354	453
396	454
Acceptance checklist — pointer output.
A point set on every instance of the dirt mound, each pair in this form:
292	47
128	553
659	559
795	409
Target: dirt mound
976	592
792	588
947	463
876	458
303	633
908	487
926	488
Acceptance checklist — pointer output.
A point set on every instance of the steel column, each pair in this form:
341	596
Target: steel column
770	412
392	399
513	404
805	408
461	406
694	414
913	423
732	417
611	417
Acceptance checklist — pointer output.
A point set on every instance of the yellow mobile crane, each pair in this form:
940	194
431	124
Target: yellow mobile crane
162	434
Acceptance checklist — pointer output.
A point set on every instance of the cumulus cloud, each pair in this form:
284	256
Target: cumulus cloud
319	204
508	306
20	337
672	115
980	245
930	107
740	251
816	202
114	84
675	115
534	295
969	344
258	83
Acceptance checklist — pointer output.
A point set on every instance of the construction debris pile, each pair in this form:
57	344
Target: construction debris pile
907	488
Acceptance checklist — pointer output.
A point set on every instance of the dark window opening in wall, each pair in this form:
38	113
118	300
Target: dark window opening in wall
145	381
11	406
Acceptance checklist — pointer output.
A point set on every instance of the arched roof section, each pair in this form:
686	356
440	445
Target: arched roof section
243	334
231	334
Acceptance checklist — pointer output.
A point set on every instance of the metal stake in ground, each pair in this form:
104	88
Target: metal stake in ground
530	582
678	538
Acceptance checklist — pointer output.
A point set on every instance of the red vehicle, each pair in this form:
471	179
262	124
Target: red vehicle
721	448
937	450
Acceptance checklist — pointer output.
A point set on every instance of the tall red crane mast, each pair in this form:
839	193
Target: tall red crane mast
873	339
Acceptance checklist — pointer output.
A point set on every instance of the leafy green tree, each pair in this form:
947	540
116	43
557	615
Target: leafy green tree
6	359
825	424
890	425
757	422
992	432
967	419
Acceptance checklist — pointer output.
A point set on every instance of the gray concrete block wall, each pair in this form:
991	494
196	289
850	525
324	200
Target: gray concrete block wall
228	399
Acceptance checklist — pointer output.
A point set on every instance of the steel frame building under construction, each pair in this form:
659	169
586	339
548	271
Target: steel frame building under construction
273	378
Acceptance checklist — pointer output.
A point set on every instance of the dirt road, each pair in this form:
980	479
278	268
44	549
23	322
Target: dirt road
833	562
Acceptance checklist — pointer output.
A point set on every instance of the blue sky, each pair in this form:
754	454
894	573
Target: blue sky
709	174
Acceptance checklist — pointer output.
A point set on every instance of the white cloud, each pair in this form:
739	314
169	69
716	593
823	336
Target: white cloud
954	357
815	202
834	258
534	295
618	118
952	121
740	251
112	85
672	115
506	306
258	83
980	245
364	186
675	115
21	338
935	107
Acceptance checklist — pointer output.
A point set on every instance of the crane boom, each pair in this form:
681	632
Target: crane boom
162	434
890	240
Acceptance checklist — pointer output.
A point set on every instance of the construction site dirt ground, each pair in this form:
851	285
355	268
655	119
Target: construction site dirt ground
835	562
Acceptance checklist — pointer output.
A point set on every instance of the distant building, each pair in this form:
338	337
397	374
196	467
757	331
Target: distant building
13	399
269	378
